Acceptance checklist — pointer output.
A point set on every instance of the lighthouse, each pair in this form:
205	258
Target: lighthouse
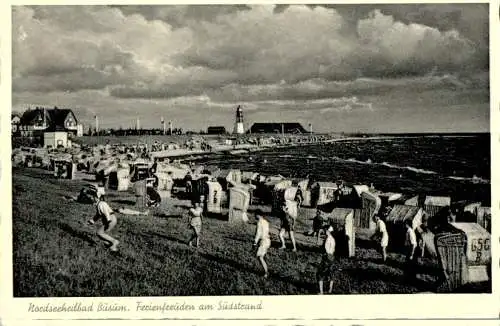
238	124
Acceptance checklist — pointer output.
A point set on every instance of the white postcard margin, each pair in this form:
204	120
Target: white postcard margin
459	309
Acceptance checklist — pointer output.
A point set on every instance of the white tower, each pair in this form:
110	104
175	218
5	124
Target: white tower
96	124
238	124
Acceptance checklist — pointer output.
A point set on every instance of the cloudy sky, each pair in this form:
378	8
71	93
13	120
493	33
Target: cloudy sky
373	68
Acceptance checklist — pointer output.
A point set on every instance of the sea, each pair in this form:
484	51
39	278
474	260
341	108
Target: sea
458	166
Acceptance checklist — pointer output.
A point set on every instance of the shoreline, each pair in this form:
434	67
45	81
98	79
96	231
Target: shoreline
184	154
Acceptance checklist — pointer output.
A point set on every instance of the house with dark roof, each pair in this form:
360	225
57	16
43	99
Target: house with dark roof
15	121
35	122
216	130
277	128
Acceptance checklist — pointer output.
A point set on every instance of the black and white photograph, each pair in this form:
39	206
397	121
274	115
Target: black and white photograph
250	150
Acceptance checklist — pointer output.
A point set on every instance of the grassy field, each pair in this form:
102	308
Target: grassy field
56	254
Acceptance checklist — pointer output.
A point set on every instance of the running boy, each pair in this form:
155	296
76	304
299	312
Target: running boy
287	225
108	219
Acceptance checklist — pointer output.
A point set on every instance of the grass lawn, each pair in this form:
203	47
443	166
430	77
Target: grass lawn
56	254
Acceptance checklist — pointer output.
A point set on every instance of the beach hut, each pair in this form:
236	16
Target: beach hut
123	176
323	193
370	205
274	178
248	176
413	201
342	220
199	190
471	208
483	215
267	191
234	176
464	254
140	193
165	184
119	179
304	191
213	203
64	169
359	189
176	172
400	213
435	204
395	223
280	193
140	171
18	159
239	201
250	188
228	176
388	198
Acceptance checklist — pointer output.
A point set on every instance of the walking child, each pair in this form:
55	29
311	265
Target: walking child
326	267
287	225
410	246
262	239
108	219
195	214
318	225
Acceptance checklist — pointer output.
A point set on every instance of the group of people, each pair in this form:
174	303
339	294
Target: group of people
262	240
381	236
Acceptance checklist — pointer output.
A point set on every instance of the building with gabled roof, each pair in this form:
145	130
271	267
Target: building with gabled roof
34	122
277	128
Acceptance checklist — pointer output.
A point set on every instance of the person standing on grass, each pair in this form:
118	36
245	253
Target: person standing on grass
319	225
381	235
287	225
410	246
188	179
108	219
262	239
195	214
326	267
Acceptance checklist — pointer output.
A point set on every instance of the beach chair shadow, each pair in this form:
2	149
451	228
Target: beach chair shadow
124	202
216	216
167	216
78	234
167	237
308	287
370	274
182	206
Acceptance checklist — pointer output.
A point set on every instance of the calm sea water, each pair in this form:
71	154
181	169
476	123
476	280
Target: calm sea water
438	165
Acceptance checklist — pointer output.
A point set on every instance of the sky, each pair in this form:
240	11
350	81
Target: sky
341	68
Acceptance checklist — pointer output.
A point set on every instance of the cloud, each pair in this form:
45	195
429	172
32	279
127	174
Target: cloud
179	16
241	53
